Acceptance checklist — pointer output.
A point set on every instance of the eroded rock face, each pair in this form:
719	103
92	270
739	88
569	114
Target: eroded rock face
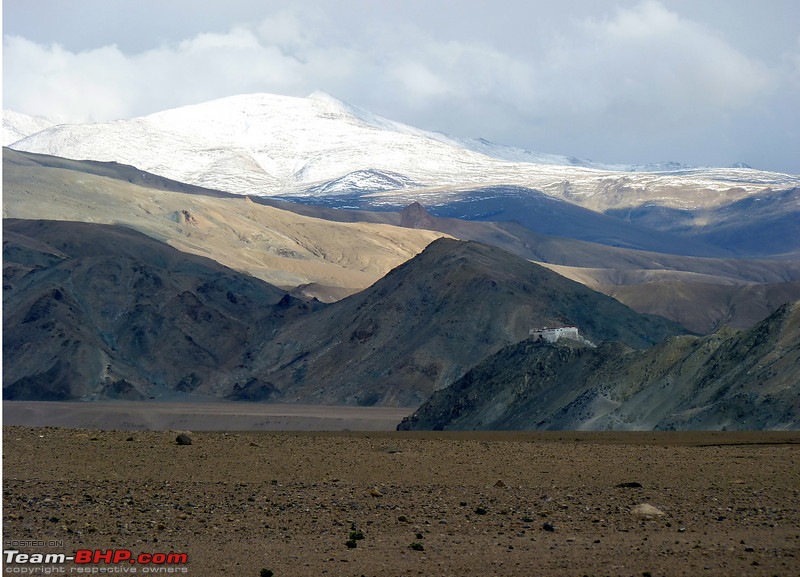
96	311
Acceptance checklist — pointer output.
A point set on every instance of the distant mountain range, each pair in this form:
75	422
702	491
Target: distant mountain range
357	260
97	311
321	150
328	253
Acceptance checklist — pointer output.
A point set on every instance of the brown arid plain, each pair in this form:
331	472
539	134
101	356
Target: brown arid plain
384	503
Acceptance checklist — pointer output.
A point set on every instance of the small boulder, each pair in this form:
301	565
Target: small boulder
183	439
647	511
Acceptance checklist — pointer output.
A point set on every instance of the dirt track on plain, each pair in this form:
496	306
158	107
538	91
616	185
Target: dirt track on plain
425	503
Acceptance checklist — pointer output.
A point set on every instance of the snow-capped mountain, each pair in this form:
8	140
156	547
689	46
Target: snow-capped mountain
515	154
17	126
262	144
366	180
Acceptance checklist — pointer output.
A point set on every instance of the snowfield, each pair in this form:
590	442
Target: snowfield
269	145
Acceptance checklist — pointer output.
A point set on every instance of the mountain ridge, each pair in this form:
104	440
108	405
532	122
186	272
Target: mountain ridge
428	319
282	246
735	380
276	145
102	311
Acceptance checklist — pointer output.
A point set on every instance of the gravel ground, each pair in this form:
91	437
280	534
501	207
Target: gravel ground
385	503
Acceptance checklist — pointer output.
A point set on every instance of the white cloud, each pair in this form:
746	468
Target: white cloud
53	82
598	86
293	32
103	83
418	82
645	58
792	59
648	61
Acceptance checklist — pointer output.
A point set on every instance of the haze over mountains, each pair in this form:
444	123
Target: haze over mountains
704	247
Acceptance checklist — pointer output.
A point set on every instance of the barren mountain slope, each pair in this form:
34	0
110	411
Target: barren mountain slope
731	379
700	293
99	311
280	247
431	319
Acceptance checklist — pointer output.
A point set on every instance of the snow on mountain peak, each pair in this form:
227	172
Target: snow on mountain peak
257	144
17	126
322	96
273	145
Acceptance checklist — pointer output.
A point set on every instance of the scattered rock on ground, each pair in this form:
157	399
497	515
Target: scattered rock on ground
647	511
183	439
630	485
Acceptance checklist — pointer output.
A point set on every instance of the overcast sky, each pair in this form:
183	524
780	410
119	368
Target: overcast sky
705	82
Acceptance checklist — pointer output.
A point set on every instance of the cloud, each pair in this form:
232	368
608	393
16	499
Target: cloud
683	62
105	84
597	86
53	82
644	59
648	64
643	84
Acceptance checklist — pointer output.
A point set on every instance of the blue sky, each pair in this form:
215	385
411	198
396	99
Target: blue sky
705	82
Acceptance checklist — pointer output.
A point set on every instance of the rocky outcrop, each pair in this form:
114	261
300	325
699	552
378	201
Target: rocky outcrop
745	380
97	311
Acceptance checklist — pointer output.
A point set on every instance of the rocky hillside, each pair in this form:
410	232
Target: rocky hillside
431	319
98	311
327	253
728	380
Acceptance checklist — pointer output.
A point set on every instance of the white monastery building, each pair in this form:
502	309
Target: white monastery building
552	335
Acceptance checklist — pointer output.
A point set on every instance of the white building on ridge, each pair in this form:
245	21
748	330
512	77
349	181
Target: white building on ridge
552	335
